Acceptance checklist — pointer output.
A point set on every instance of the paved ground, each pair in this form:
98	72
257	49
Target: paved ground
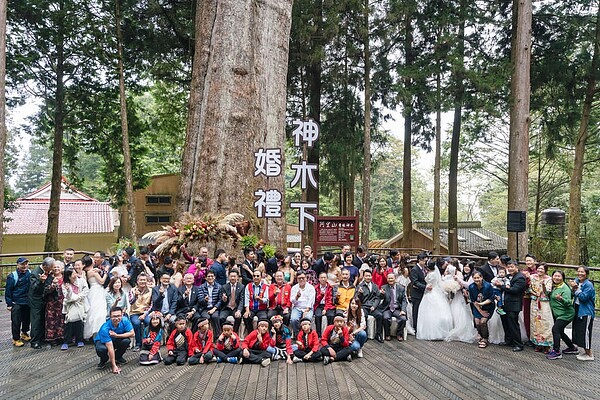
410	370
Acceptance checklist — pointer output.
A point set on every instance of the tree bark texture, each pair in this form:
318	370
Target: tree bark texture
366	178
518	163
3	133
237	105
407	157
125	129
573	228
51	241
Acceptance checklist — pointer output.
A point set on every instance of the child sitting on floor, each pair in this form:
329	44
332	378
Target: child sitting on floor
281	341
254	346
308	343
335	342
228	345
203	344
180	343
153	334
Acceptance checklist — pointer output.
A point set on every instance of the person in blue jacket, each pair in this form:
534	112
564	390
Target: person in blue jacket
17	301
585	299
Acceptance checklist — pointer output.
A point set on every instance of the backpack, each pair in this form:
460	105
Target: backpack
15	276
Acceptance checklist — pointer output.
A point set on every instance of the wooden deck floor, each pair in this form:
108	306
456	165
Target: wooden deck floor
409	370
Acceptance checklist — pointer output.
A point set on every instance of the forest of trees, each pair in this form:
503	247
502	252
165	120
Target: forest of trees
442	68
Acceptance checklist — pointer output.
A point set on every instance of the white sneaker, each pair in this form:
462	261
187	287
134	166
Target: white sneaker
359	353
266	362
585	357
296	359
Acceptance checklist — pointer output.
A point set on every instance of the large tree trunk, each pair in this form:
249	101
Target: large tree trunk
3	133
125	129
458	73
51	242
237	105
366	178
518	162
573	251
407	156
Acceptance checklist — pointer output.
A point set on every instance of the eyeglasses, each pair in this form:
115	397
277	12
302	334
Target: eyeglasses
257	276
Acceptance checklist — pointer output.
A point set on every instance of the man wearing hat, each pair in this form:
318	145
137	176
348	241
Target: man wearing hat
17	302
255	345
39	279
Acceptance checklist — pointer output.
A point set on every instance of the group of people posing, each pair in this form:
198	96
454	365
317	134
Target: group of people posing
293	308
508	305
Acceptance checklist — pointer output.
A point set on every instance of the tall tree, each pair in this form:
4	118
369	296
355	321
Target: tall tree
366	175
237	106
458	75
573	230
50	46
125	126
518	162
3	131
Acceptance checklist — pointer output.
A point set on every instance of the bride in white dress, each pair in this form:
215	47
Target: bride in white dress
462	318
97	300
435	316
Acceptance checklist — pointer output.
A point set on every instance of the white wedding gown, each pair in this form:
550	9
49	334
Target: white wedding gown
435	316
462	318
97	313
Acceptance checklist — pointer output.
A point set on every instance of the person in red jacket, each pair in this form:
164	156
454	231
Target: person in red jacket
180	345
203	344
308	343
323	302
228	348
335	342
254	346
279	298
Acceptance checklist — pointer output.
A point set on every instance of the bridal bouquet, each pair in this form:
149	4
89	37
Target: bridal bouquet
450	286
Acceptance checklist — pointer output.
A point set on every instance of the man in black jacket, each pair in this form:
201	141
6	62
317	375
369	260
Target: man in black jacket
232	300
40	278
513	303
417	279
368	294
490	269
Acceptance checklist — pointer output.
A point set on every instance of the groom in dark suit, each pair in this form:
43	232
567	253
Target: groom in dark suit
513	303
417	278
490	269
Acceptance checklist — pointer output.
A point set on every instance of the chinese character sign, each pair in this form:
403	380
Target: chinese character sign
268	163
268	204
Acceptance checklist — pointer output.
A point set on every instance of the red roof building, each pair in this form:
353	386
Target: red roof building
84	223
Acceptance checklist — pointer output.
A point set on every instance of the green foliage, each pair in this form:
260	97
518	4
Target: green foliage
34	171
269	250
249	241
